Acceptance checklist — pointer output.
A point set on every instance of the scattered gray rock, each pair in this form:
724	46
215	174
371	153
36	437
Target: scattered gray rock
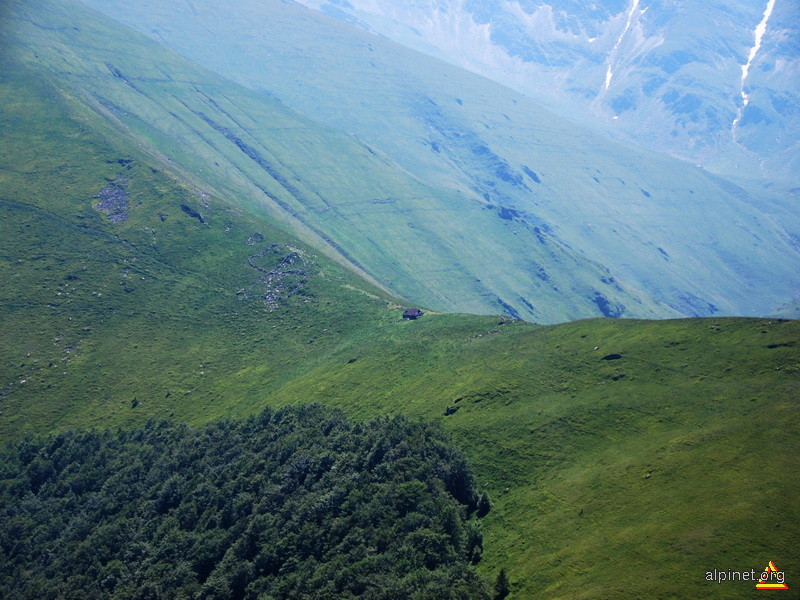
114	200
283	273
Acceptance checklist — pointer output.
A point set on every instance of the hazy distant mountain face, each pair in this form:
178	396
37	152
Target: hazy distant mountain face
715	82
523	212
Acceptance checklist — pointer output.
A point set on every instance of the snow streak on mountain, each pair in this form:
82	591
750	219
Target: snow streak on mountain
613	55
758	35
672	76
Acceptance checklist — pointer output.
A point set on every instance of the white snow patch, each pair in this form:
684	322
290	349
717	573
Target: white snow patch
758	34
613	54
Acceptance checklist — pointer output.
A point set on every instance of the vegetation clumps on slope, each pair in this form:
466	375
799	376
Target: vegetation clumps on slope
298	503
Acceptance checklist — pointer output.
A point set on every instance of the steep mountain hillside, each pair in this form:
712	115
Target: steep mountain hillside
436	246
713	82
132	289
126	287
659	226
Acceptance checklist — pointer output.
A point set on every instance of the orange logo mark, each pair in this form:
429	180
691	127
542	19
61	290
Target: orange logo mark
771	579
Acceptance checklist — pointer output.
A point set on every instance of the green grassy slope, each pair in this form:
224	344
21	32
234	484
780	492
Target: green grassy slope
661	226
611	478
112	323
440	248
96	313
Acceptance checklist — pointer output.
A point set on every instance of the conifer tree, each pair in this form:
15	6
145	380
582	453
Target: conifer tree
484	505
501	588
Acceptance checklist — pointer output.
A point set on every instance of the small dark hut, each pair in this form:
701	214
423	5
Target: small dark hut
412	313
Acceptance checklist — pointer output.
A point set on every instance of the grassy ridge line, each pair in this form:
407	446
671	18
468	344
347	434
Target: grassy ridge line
789	311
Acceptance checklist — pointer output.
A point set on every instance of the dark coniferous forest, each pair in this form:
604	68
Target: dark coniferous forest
298	503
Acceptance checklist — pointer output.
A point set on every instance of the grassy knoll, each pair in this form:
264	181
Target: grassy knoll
611	478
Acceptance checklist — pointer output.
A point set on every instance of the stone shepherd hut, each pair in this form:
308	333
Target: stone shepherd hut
412	313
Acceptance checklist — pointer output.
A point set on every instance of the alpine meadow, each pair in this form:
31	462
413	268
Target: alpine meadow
215	217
